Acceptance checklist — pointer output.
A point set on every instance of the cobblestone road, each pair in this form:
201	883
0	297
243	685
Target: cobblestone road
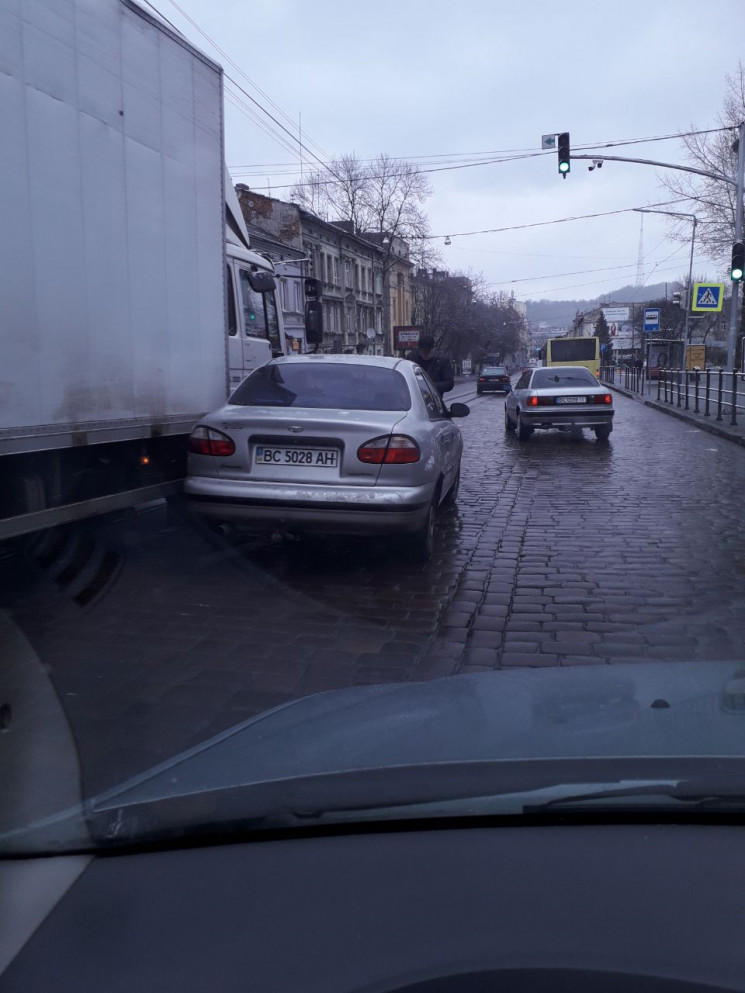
560	552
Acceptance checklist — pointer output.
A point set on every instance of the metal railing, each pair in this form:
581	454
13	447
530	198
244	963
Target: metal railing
714	393
629	377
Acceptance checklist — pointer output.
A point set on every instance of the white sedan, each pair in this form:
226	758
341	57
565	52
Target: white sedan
333	444
564	397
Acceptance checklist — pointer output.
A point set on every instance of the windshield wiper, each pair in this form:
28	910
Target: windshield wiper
692	794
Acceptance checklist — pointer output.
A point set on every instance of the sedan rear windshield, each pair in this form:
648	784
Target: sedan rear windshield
547	378
494	370
330	386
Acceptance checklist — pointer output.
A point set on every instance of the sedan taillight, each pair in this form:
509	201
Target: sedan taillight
394	449
207	441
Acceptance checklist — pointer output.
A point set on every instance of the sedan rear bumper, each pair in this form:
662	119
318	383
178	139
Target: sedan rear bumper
306	507
566	418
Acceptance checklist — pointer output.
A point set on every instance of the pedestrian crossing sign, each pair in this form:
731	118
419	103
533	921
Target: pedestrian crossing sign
708	297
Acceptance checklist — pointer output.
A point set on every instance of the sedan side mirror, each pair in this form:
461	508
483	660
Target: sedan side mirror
459	410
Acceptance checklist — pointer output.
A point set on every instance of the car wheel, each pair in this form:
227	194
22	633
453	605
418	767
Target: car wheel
422	543
508	425
452	493
602	432
478	392
523	431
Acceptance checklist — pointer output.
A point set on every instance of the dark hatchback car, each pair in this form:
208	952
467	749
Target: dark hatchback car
493	379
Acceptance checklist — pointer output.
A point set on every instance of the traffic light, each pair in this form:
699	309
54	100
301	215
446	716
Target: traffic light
312	288
314	322
738	261
564	156
680	298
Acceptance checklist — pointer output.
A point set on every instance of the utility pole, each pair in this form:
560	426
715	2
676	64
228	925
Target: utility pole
735	301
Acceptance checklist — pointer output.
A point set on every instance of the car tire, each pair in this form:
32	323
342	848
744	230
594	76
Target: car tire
523	431
602	432
478	392
508	425
422	542
452	493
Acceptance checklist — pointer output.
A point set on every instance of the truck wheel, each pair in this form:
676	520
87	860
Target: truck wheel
523	431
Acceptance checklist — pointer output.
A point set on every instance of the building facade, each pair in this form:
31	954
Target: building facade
365	283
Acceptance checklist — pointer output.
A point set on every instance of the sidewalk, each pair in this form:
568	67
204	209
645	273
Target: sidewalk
723	428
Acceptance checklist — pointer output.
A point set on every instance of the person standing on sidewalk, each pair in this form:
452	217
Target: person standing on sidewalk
439	368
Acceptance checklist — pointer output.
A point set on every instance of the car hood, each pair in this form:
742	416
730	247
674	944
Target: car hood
341	755
625	710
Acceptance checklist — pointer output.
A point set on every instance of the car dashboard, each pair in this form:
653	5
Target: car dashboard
609	907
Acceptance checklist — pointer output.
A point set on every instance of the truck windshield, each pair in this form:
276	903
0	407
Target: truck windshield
259	312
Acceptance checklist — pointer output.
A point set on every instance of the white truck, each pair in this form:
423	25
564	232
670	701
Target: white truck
131	302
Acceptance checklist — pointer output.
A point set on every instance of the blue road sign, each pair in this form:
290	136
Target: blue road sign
651	318
708	296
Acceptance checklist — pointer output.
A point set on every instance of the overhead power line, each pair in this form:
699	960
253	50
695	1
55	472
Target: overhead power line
475	158
542	224
295	139
594	282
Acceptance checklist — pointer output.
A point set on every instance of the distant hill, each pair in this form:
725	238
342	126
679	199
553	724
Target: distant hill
560	313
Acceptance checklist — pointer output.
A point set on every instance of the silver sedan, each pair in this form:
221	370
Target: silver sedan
564	397
333	444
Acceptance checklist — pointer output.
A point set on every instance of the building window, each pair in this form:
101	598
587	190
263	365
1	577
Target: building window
336	272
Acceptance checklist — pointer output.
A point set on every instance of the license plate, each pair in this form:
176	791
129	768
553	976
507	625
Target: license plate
323	458
571	399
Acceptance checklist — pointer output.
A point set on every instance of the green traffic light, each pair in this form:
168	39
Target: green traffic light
563	167
738	261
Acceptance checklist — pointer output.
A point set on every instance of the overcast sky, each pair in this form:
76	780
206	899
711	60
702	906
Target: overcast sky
426	78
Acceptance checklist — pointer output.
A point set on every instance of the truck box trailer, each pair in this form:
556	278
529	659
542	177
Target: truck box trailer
121	240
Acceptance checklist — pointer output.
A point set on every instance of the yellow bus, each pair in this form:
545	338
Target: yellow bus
573	351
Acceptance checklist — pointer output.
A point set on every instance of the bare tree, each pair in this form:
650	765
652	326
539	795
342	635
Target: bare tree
464	318
713	201
384	197
334	193
382	200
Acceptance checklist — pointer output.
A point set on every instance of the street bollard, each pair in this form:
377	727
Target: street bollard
708	386
695	391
